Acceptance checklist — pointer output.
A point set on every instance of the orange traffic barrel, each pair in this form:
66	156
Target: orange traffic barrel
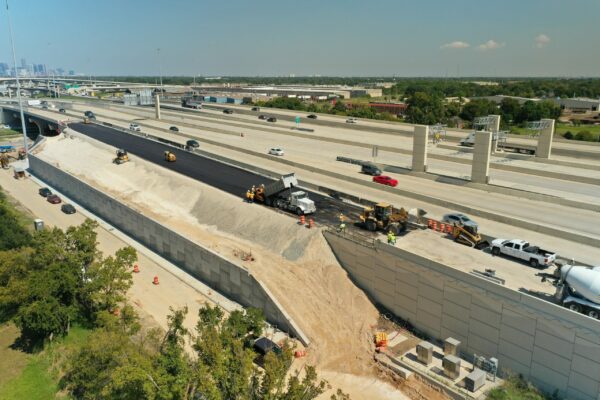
155	281
136	269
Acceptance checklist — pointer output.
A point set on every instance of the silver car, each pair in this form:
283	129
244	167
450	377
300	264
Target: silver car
458	218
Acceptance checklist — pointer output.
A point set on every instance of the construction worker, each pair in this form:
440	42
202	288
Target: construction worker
437	138
248	194
252	196
342	226
391	238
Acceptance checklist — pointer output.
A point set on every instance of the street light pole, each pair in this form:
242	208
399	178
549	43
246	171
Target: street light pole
12	43
160	71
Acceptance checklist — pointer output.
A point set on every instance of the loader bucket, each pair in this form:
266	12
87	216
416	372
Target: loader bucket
484	244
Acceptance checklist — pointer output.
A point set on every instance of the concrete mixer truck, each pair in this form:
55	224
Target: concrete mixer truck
577	288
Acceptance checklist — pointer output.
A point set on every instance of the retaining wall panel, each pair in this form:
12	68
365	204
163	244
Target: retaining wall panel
547	378
551	360
587	349
585	366
583	384
554	344
455	311
430	292
514	351
520	338
457	295
455	325
485	314
481	345
519	321
405	288
431	307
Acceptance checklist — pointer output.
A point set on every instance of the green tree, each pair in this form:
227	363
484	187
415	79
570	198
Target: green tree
13	234
478	108
509	109
424	109
108	280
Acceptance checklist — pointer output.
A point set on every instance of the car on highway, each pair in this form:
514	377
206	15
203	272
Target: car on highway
276	151
135	127
53	199
255	108
4	126
351	120
271	119
68	209
261	116
45	192
386	180
192	144
227	111
370	169
174	129
62	110
89	114
457	218
311	116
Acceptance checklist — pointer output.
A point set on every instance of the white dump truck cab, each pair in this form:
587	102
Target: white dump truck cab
300	200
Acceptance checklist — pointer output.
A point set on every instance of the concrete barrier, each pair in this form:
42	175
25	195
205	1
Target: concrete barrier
555	348
232	280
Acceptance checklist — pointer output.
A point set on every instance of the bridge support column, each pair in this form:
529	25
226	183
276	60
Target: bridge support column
544	147
419	156
480	170
157	105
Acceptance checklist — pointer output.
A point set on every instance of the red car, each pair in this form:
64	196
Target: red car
385	180
53	199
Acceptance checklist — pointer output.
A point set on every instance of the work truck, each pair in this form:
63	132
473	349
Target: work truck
501	143
577	288
282	194
522	250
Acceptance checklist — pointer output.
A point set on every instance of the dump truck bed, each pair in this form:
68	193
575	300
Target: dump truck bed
283	183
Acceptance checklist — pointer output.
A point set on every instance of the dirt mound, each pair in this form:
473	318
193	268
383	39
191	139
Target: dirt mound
295	263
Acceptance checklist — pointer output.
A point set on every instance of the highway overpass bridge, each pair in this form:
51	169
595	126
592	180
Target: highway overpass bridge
35	124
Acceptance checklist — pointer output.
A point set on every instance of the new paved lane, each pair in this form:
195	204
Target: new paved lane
225	177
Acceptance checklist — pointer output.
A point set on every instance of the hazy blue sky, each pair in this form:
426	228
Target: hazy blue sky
335	37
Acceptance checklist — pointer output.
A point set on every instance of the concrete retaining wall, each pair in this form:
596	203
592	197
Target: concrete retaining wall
233	281
550	345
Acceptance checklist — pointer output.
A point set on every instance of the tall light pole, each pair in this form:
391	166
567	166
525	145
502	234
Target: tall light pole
160	70
12	44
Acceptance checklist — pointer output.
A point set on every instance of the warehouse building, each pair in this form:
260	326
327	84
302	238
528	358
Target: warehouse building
579	104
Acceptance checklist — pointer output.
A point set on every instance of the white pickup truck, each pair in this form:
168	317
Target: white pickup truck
522	250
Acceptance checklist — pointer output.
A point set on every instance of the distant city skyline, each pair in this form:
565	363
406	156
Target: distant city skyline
462	38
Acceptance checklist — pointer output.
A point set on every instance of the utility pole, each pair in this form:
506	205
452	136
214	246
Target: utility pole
12	44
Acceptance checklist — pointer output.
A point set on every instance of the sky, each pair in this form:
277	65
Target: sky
446	38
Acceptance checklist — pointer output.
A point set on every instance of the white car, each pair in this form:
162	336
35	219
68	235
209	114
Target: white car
351	121
135	127
4	126
276	151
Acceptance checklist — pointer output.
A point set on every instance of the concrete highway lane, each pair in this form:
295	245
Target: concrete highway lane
225	177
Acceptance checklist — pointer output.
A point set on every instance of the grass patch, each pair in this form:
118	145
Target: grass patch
517	388
23	215
560	129
9	132
34	376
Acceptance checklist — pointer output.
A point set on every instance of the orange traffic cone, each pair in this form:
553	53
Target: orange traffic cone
116	311
302	220
299	353
155	281
136	269
311	223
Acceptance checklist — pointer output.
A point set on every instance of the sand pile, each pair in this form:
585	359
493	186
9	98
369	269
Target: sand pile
294	262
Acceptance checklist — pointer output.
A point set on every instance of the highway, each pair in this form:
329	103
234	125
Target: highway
307	148
222	176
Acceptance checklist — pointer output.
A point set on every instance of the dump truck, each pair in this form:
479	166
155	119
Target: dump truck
577	288
281	194
383	216
170	156
122	157
468	235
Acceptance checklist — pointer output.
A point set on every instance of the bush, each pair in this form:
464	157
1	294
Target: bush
568	135
586	136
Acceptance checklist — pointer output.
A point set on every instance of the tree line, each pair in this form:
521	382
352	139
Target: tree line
430	109
53	279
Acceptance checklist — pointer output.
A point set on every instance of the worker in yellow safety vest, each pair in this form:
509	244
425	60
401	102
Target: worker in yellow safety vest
391	238
248	195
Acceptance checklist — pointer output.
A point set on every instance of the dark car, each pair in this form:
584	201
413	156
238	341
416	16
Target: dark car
272	119
62	110
67	209
261	116
53	199
89	114
370	169
45	192
255	108
192	144
311	116
174	129
385	180
227	111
